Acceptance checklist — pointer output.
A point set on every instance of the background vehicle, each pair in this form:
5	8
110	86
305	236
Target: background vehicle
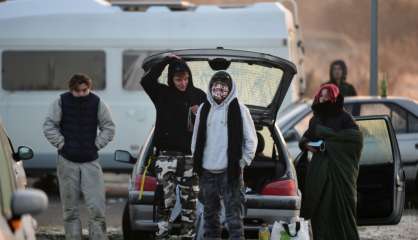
403	113
262	82
64	37
16	202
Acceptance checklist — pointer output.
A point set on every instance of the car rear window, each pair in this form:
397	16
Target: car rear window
256	84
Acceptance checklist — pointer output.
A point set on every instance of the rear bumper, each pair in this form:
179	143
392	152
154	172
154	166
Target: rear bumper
259	209
252	201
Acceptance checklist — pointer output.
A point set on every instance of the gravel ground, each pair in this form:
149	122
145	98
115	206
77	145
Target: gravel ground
51	225
407	229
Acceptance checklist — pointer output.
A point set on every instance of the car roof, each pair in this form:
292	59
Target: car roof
407	103
304	105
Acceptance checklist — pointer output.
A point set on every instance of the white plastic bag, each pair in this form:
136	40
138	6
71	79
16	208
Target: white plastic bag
298	230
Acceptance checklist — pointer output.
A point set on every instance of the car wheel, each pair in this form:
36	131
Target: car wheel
128	232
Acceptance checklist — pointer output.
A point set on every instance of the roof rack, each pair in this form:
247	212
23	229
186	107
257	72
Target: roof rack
143	5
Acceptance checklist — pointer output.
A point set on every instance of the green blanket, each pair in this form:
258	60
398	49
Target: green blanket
330	193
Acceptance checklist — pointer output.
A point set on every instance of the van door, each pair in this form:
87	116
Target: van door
381	180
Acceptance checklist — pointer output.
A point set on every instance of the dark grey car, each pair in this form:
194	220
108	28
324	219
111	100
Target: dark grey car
272	191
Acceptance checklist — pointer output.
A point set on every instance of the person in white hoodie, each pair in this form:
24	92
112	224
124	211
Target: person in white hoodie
223	143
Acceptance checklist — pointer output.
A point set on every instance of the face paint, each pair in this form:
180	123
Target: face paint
219	91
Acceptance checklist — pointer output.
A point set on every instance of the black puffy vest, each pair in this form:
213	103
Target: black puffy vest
79	124
235	139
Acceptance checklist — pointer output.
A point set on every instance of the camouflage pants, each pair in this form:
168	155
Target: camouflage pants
173	171
215	188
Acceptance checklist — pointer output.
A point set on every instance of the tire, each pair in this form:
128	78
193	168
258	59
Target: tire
128	232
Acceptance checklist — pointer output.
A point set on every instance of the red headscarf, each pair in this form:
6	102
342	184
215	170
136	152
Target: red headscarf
333	92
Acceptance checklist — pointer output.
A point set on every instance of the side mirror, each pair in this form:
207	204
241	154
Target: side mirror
124	157
29	201
24	153
291	135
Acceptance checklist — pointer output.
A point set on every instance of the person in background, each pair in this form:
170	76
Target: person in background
72	126
338	76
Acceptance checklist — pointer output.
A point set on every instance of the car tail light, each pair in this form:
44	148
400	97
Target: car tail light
149	185
281	188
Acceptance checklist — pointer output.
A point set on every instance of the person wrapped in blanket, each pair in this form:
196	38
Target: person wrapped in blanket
330	191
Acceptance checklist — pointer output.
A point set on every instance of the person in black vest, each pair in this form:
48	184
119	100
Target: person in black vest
71	126
176	105
224	142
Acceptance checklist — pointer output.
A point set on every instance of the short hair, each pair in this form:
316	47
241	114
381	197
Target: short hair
78	79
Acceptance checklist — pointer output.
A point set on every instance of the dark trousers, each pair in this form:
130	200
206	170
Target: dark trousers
216	187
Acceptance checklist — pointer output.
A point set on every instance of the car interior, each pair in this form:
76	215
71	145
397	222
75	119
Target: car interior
266	165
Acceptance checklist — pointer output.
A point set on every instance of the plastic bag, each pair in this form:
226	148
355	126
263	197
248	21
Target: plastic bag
298	230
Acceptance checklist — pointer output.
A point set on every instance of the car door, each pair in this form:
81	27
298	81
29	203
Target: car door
381	180
405	125
7	186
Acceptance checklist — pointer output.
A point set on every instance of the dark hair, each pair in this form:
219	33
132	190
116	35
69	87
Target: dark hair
223	77
343	66
78	79
177	66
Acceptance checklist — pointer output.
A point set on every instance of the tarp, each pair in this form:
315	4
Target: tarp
330	192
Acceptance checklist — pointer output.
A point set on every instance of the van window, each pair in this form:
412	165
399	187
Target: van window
50	70
132	68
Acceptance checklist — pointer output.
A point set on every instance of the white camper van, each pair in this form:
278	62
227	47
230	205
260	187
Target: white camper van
42	43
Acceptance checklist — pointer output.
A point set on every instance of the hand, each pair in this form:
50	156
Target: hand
172	56
194	109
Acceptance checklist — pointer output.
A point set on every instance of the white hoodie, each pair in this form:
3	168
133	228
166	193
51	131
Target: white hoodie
215	154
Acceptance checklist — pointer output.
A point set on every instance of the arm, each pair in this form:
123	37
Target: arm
195	129
150	80
106	126
308	136
249	137
51	125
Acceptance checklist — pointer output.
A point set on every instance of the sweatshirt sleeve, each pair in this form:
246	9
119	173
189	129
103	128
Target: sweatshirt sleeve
150	79
51	125
195	129
106	126
249	137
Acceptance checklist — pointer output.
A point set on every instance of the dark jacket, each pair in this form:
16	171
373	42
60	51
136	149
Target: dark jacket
173	127
327	114
346	89
78	125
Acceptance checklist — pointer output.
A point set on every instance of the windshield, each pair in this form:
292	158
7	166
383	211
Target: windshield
256	84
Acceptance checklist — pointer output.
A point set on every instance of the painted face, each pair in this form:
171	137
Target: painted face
337	72
181	80
81	90
324	96
219	91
